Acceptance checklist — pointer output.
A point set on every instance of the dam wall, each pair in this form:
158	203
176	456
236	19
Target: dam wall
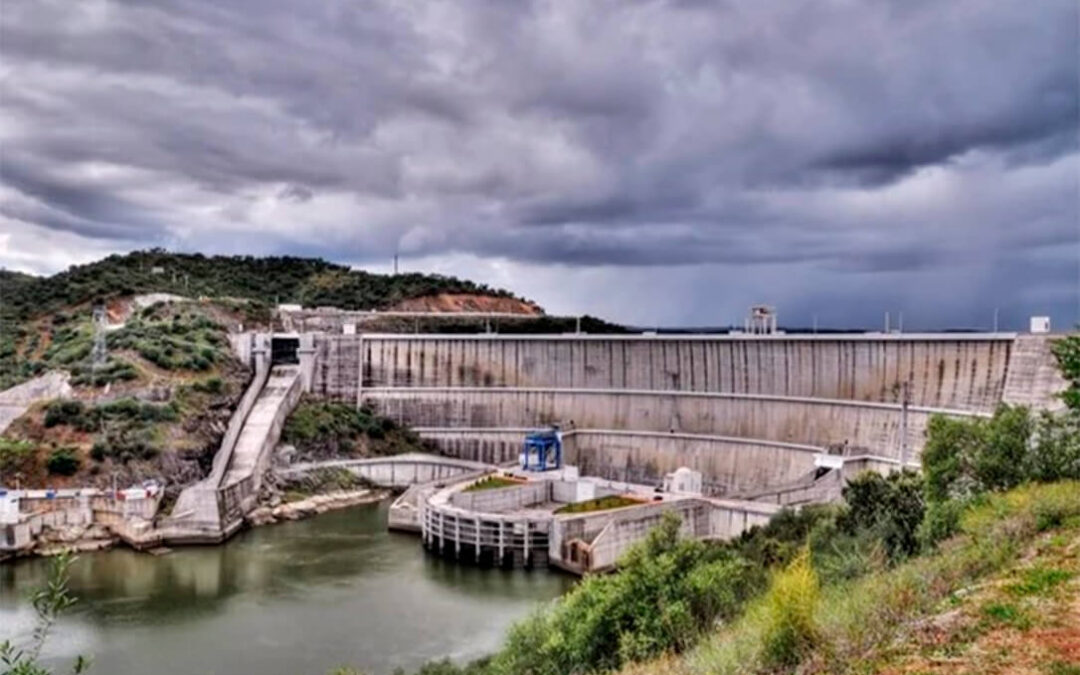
746	411
962	372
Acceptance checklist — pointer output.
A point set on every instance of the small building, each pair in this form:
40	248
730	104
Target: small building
1040	324
761	320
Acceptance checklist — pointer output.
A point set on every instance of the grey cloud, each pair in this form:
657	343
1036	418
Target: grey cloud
841	139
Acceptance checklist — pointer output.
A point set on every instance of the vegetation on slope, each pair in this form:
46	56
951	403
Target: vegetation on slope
270	280
34	311
171	379
326	429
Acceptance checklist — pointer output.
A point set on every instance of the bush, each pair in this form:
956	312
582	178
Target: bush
1067	352
1055	454
15	455
999	462
212	385
941	521
64	411
63	462
789	607
890	507
667	591
124	444
966	457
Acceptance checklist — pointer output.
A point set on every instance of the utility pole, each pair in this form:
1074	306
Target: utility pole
901	320
98	354
996	319
886	323
906	394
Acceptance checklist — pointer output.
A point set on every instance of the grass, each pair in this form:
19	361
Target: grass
492	483
1006	614
1039	581
14	454
598	504
854	622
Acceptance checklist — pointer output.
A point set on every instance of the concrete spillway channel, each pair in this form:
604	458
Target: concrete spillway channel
213	509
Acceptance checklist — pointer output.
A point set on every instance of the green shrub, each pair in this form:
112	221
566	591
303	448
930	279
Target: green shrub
64	411
1007	614
1067	352
965	457
125	444
15	455
63	462
667	592
1055	455
1039	581
212	385
891	507
1000	461
790	630
941	521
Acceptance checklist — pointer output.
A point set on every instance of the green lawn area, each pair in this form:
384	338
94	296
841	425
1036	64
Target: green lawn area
491	483
598	504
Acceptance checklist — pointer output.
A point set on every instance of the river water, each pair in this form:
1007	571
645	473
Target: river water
297	598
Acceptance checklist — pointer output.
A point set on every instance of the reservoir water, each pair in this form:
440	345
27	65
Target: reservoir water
297	598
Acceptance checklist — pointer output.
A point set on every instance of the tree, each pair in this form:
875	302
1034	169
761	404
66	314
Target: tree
1067	352
890	507
49	602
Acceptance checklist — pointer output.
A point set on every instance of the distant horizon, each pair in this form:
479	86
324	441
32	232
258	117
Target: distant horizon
1012	324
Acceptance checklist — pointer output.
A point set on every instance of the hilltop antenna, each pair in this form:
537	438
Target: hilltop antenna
395	263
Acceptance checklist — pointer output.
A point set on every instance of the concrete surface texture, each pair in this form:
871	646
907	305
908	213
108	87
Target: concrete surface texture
745	411
397	471
16	400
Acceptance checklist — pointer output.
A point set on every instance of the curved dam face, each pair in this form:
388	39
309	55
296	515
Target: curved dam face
746	411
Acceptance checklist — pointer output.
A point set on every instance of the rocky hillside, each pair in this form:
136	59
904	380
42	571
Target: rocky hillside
154	409
468	302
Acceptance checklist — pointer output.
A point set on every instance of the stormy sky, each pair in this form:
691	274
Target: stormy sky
654	162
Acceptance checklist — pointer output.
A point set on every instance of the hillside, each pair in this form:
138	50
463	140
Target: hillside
34	309
156	408
308	281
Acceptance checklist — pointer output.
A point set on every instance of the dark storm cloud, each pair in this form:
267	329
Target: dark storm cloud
832	139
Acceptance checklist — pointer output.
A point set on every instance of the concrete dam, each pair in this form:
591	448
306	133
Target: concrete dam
747	411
